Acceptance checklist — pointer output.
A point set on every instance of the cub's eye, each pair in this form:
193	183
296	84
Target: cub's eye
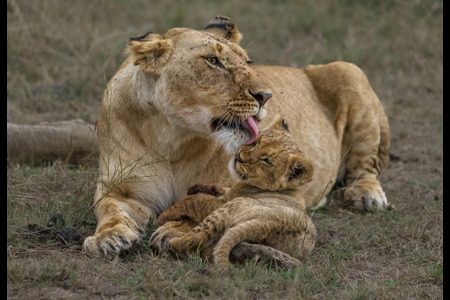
266	161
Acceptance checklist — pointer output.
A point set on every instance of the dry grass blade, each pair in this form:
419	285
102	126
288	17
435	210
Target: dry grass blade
330	183
360	139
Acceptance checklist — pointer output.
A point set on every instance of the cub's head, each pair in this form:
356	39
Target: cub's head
273	162
201	80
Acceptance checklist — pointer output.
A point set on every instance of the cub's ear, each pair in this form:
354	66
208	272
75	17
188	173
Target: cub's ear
301	169
150	51
222	26
278	123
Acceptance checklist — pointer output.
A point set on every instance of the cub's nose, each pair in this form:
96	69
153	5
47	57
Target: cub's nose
261	97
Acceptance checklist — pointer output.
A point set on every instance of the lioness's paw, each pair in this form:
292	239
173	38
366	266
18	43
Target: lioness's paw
367	196
111	242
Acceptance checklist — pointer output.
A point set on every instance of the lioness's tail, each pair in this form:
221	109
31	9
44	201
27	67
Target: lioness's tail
70	141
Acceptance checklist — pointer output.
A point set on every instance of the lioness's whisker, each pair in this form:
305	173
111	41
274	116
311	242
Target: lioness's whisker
220	114
218	117
223	112
223	104
231	121
223	120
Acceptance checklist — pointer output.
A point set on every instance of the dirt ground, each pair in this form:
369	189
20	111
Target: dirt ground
60	56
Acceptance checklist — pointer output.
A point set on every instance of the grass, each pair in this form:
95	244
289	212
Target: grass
59	59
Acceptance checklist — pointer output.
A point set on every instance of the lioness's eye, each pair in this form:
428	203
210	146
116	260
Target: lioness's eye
213	60
267	161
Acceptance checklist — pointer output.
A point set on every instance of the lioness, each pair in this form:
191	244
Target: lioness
185	101
265	206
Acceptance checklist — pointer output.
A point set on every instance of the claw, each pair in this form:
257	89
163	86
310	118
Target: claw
124	241
367	196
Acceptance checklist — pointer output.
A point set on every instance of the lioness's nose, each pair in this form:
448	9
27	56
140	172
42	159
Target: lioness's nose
261	97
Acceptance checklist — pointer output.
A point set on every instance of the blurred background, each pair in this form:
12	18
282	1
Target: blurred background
61	54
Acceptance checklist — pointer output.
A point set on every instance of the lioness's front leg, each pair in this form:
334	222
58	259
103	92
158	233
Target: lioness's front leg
362	127
121	224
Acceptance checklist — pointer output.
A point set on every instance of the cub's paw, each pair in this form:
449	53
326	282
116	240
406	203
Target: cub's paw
110	242
213	190
367	195
182	247
159	241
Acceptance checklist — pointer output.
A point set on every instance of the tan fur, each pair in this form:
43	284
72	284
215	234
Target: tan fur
265	206
151	52
161	127
69	141
194	207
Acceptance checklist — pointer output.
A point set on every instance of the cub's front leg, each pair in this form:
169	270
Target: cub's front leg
195	207
202	235
190	243
160	239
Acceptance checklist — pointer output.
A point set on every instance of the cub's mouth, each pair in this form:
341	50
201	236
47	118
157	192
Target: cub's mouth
249	125
241	175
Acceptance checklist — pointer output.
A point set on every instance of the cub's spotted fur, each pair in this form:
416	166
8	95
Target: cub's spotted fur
264	207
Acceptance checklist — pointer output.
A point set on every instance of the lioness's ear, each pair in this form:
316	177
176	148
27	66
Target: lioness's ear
150	51
301	168
222	26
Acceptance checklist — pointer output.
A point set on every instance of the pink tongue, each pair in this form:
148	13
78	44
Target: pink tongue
252	128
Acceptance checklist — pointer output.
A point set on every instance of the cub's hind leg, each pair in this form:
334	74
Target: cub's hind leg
252	231
293	237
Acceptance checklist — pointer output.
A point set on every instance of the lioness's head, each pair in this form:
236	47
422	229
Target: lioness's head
273	162
203	82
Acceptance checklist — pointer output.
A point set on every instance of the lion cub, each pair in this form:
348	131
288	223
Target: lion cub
264	207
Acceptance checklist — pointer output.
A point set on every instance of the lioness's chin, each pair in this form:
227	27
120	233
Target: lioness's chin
231	139
233	135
